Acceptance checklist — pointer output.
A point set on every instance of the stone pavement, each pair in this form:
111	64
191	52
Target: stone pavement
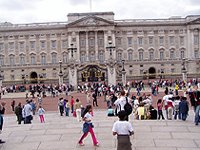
62	133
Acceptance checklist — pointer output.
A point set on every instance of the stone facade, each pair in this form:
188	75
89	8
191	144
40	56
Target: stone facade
92	46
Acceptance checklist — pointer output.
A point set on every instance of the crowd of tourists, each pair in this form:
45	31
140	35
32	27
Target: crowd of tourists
122	101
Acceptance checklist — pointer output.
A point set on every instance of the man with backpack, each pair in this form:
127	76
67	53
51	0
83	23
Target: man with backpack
122	103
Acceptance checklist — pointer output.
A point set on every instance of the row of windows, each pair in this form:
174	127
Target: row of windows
32	45
161	40
92	57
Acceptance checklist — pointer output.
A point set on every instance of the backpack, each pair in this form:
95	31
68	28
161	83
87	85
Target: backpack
127	107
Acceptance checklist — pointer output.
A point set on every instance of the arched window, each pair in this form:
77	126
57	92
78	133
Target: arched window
22	59
54	58
1	60
12	60
65	57
151	54
130	55
33	59
141	55
119	56
43	58
172	54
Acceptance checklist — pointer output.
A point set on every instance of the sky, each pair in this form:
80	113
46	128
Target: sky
35	11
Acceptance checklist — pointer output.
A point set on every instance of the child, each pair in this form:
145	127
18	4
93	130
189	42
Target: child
67	107
41	112
159	106
176	108
141	112
123	129
170	109
184	108
110	111
87	126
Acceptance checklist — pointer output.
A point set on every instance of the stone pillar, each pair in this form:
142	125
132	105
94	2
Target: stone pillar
124	78
111	75
73	76
87	47
96	46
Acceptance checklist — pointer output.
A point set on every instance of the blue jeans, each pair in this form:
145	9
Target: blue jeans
177	113
197	114
183	116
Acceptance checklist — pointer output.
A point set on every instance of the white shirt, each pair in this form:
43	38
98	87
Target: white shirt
166	98
27	110
122	127
88	116
41	111
120	102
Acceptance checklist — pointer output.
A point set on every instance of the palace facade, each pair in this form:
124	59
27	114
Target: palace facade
92	47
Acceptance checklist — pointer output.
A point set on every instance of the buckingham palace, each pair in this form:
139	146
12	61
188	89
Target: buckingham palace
94	47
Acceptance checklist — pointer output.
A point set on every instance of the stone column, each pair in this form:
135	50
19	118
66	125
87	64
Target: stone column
111	75
96	46
77	56
73	76
124	77
87	47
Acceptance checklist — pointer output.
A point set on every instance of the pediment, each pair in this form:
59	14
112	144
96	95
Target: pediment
196	21
91	21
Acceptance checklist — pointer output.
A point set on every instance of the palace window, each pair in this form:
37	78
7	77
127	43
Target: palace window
1	47
171	40
65	58
182	54
119	56
130	55
119	41
53	44
91	42
1	60
151	55
12	60
141	55
92	57
11	46
161	55
43	59
181	40
42	44
83	57
101	57
100	43
140	41
22	59
151	40
161	40
21	46
130	41
196	39
82	42
64	44
196	53
172	54
53	58
32	44
33	59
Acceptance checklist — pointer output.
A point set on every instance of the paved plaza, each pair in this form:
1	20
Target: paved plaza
62	133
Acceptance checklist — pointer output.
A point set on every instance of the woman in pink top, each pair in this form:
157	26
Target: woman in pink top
160	105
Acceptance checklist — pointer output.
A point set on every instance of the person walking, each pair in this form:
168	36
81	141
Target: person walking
41	112
120	103
18	112
27	110
77	109
196	94
123	129
88	126
2	112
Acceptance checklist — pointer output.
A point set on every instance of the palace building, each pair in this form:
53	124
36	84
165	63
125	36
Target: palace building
93	47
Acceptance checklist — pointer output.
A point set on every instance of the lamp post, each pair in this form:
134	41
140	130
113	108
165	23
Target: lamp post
110	48
72	49
184	70
123	73
60	73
